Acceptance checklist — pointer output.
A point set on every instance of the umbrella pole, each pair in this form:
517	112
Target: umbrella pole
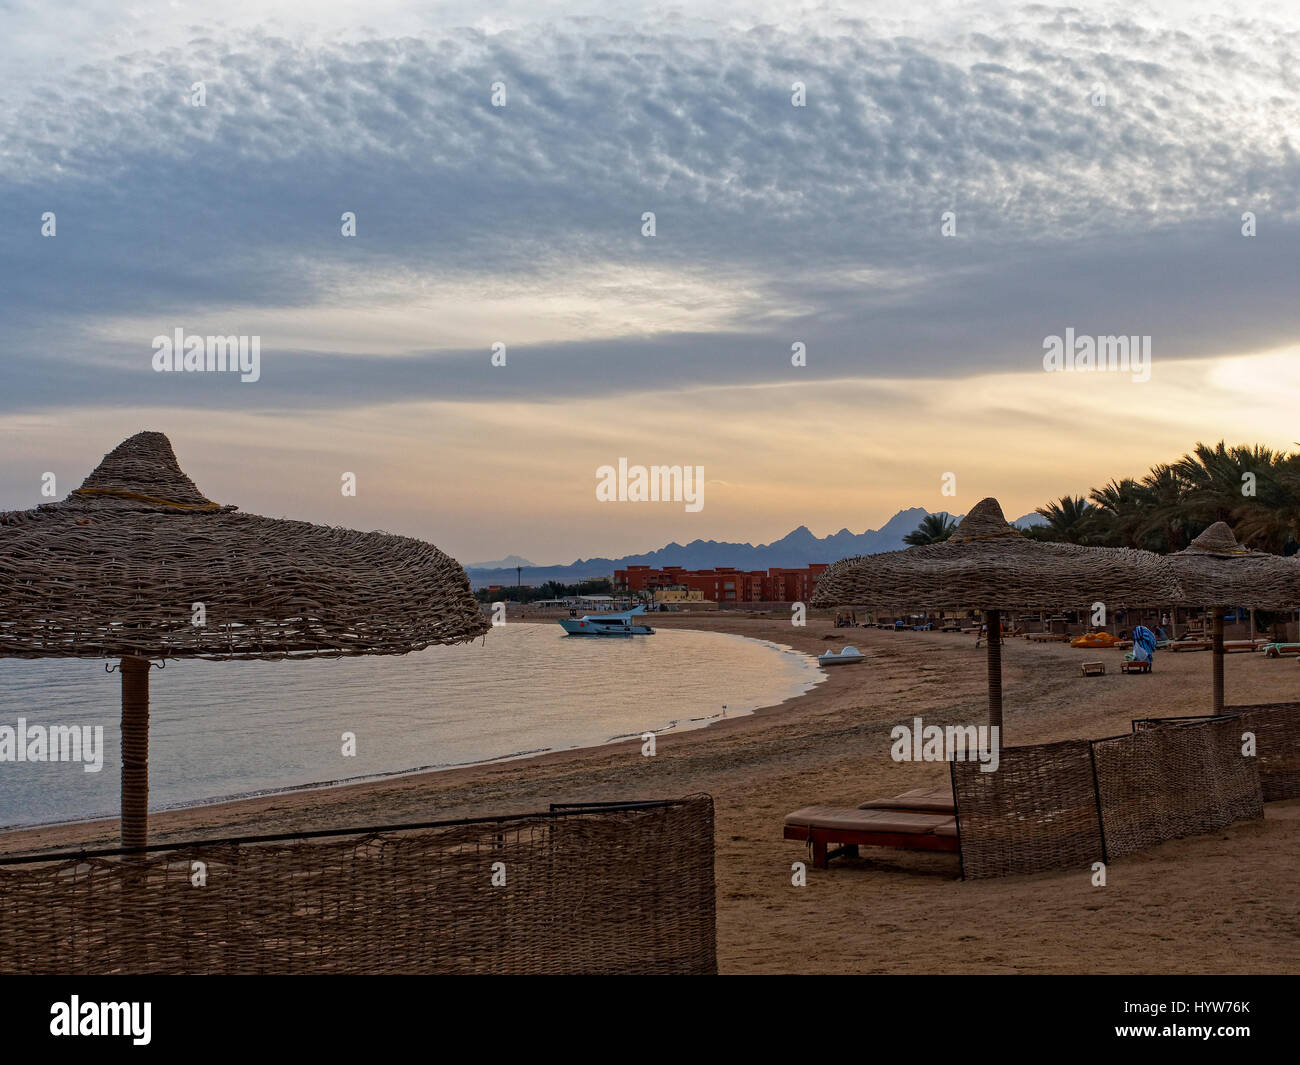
993	619
1218	661
135	752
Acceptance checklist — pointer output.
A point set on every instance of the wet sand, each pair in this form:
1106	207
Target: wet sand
1226	902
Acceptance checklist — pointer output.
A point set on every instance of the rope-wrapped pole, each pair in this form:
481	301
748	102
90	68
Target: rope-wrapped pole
993	620
1218	660
135	752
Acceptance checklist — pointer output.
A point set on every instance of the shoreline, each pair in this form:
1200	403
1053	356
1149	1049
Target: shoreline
217	803
1226	902
175	824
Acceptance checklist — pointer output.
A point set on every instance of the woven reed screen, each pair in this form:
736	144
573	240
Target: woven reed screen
587	891
1277	746
1037	811
1178	779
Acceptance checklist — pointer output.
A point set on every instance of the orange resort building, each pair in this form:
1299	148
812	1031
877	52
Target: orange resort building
721	585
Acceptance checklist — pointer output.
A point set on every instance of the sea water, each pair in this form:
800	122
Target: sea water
221	730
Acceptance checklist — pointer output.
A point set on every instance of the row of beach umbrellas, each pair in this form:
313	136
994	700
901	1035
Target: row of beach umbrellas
116	569
989	565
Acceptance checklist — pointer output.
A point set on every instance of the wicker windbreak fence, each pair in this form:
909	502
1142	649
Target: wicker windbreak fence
1181	779
1276	727
623	888
1061	805
1037	811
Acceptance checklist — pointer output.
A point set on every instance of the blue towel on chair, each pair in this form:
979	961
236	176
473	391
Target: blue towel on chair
1144	644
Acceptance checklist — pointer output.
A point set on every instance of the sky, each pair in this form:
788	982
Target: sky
957	187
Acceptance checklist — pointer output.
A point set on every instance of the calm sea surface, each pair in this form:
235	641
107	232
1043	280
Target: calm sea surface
224	729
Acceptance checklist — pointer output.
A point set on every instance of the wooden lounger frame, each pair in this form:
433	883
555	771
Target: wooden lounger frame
821	840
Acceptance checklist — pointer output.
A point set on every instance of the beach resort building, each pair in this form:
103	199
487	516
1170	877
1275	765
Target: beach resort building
679	594
723	584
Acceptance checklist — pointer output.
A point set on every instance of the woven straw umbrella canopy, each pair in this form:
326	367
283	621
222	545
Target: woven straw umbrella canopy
116	570
989	565
1216	571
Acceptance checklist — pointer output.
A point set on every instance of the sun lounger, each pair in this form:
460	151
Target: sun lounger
920	819
1067	804
851	828
918	800
1189	645
1129	665
1093	669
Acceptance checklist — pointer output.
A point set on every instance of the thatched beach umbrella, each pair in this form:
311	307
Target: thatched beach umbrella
118	570
1216	571
989	565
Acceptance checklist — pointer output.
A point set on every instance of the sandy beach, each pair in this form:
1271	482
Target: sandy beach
1223	903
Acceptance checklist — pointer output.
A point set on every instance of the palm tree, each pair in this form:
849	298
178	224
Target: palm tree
1067	519
1212	479
1254	488
1116	513
1163	525
1269	520
934	529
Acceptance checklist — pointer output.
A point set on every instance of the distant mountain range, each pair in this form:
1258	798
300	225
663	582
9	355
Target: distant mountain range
795	549
509	562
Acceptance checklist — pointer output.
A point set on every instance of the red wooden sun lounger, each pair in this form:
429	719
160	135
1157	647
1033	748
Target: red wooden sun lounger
919	800
850	827
923	819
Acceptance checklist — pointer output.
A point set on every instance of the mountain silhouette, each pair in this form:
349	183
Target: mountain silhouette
509	562
797	548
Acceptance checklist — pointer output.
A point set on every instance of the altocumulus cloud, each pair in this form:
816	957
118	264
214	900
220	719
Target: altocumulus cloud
1116	219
